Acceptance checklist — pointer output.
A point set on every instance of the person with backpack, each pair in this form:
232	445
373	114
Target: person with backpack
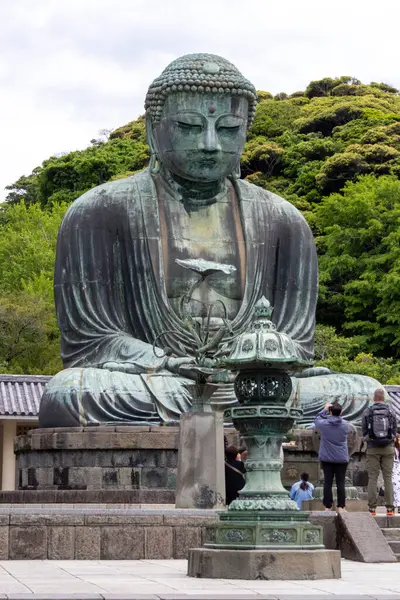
302	490
379	428
333	453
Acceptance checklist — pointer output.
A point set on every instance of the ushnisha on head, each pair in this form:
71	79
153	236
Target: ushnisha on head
379	395
197	115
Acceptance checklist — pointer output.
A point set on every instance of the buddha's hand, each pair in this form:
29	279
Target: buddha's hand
187	366
222	376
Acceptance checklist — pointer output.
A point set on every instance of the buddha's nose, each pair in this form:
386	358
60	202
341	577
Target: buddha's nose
210	142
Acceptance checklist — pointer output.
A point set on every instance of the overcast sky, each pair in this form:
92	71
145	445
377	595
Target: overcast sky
69	68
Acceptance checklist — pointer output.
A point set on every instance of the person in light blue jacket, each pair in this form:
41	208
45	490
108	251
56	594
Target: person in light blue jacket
302	490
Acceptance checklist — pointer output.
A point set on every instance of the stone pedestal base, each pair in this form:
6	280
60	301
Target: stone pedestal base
101	457
200	479
273	530
264	564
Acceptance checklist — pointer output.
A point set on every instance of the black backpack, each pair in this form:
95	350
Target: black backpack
381	427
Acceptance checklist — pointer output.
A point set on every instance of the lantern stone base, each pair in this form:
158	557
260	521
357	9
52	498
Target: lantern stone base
264	564
273	530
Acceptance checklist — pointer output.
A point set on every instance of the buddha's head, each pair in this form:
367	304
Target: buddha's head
197	115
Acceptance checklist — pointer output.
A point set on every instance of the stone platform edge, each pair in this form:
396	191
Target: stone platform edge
204	595
101	534
57	497
85	533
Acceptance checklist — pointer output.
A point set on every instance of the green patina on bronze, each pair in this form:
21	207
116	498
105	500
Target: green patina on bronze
264	516
119	278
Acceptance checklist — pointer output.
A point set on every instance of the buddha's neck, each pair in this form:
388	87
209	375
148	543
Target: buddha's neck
195	192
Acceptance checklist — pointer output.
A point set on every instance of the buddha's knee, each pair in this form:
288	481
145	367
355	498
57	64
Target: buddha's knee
81	396
60	403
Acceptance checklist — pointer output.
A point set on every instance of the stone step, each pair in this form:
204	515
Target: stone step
398	557
395	546
355	532
391	533
383	521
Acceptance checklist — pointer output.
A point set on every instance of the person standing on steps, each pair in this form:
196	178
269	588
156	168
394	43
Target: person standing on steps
333	453
379	428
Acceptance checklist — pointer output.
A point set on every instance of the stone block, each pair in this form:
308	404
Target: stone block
178	518
155	496
158	441
110	478
262	564
87	543
4	519
29	518
4	546
85	478
61	543
132	429
67	439
45	477
119	519
129	478
61	477
28	543
32	477
186	538
158	543
361	539
122	543
154	477
352	505
201	483
328	523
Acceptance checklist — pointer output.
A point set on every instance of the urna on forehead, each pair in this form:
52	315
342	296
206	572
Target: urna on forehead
201	74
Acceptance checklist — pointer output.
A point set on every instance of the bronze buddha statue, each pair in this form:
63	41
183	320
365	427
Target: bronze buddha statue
118	282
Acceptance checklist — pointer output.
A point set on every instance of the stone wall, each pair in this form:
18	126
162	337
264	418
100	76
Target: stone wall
82	534
303	457
108	458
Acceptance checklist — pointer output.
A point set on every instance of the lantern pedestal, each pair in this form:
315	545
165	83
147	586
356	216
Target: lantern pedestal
264	564
263	535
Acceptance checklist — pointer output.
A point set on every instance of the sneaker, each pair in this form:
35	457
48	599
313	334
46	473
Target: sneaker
372	511
340	510
389	511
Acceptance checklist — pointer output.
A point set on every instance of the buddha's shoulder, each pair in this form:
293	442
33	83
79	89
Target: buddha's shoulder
113	194
272	202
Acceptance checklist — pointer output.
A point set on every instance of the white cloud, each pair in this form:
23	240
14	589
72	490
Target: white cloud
71	67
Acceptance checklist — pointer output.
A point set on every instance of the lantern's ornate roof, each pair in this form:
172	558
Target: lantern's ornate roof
263	345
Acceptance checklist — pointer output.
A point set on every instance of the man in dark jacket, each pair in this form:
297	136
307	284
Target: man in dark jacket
379	429
333	453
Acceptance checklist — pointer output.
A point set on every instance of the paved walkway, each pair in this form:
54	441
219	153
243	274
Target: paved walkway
159	580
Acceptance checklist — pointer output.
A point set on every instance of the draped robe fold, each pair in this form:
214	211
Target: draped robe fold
111	300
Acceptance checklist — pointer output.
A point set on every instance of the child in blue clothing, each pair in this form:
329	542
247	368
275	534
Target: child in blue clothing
302	490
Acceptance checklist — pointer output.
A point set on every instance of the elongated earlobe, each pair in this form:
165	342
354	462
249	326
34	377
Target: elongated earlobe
236	172
154	164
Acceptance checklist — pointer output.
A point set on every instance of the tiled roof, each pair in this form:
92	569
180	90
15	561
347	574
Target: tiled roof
20	394
394	394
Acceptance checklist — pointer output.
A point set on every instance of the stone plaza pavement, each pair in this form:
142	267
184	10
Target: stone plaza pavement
159	580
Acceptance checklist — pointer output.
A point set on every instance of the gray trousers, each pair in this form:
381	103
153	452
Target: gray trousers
380	459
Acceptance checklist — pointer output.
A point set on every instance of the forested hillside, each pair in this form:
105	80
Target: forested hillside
332	150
